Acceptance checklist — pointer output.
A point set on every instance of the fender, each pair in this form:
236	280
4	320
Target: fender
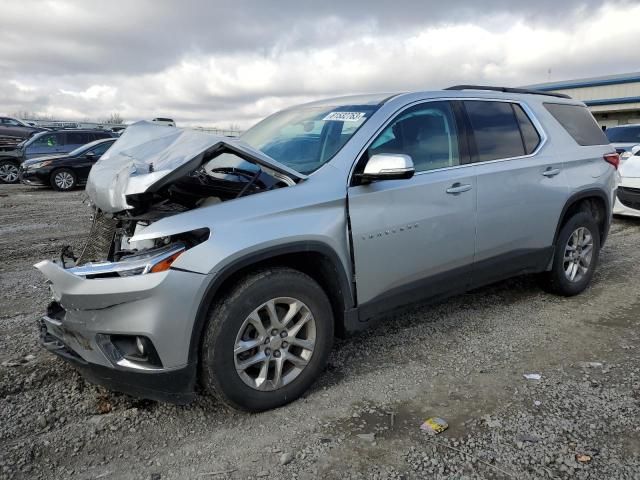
256	257
576	197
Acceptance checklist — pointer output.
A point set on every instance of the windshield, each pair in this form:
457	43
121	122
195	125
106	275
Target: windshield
305	138
623	134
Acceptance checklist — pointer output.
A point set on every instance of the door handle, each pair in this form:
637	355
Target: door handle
458	188
551	172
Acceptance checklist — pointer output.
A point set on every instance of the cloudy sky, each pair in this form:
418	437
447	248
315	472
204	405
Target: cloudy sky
222	63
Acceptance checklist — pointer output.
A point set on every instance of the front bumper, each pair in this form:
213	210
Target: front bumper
88	313
33	177
175	386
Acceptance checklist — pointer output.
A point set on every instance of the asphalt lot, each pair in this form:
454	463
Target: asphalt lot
462	360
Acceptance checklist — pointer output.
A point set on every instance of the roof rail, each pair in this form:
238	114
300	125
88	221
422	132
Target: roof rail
507	90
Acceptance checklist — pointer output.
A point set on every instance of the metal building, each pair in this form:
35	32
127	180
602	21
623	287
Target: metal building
613	100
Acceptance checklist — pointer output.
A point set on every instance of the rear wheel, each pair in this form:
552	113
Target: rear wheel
63	179
8	171
267	340
576	256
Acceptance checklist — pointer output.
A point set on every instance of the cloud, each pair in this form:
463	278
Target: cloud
212	63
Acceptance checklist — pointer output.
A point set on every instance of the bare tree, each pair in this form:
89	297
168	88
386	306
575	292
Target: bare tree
114	119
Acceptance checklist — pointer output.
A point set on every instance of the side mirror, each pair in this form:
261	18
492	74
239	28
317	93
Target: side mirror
387	166
90	155
635	150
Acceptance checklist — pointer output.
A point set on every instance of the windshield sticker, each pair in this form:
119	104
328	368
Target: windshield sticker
344	116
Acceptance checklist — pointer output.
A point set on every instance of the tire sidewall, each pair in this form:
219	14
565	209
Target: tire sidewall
580	219
70	172
224	325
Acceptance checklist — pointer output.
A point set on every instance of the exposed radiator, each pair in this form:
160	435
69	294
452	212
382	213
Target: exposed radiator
100	239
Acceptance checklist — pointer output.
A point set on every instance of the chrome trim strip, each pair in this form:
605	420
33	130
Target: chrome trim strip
124	363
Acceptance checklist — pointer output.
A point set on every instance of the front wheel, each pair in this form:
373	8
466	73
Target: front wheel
267	340
8	171
576	256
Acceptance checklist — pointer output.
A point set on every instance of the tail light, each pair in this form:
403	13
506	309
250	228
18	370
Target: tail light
612	158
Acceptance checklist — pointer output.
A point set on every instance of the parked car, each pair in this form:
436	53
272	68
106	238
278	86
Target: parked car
117	130
628	192
623	138
45	143
168	122
13	127
232	263
67	171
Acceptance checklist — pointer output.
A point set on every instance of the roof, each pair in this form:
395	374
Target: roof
618	79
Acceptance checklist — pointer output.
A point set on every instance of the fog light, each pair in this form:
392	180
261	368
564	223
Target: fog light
140	346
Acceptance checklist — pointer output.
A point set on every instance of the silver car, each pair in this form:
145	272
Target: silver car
232	263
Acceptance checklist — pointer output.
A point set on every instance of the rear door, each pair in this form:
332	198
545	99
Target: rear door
74	140
414	238
521	190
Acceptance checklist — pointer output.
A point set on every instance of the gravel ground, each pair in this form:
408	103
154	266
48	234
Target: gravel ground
462	360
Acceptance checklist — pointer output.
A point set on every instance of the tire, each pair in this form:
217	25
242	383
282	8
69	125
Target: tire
558	280
63	180
227	326
9	171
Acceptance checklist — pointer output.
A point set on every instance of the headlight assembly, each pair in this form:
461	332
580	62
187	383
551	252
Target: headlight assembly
41	164
149	261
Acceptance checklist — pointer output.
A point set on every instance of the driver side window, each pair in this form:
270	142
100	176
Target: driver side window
426	132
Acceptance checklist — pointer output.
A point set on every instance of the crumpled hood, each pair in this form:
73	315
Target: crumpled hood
148	156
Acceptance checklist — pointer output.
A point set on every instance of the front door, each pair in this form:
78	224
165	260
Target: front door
414	238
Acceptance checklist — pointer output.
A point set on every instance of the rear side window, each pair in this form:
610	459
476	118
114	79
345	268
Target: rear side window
100	149
579	123
101	135
77	138
495	129
530	135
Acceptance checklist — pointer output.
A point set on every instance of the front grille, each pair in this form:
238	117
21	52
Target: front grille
629	197
100	239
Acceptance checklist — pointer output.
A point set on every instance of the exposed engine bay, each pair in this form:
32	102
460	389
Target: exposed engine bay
225	177
154	172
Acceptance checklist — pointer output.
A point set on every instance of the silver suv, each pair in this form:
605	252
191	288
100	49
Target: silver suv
232	263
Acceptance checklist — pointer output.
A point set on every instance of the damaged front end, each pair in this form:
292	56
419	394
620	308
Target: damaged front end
154	172
119	305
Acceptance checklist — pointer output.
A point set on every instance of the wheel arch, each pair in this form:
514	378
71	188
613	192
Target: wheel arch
315	259
596	202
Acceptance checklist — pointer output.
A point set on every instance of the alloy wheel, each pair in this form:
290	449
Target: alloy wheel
63	180
8	173
578	254
275	344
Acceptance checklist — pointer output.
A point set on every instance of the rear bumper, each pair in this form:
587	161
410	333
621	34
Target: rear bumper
175	386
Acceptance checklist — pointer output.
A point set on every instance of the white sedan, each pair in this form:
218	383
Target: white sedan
628	201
